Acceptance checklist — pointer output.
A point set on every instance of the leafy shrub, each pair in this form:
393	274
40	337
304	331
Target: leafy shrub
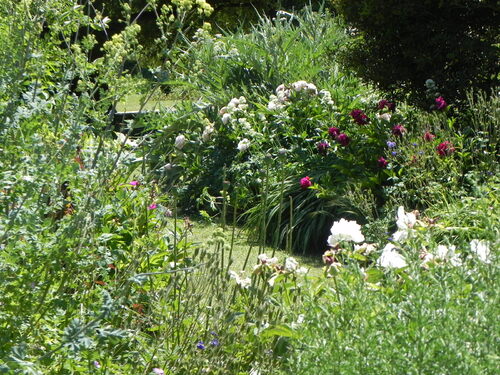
372	316
454	43
301	46
93	261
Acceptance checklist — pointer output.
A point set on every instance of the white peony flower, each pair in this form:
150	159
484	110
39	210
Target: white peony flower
302	271
481	249
280	88
243	282
291	264
180	141
405	219
345	230
384	116
299	85
446	253
426	258
243	145
390	258
405	222
207	132
312	88
264	259
226	117
233	103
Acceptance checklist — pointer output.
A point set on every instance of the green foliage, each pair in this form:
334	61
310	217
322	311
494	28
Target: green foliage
415	318
454	43
412	324
294	47
99	274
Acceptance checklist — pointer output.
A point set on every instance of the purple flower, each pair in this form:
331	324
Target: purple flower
322	147
359	117
200	345
134	183
394	153
152	206
214	342
441	104
158	371
398	130
334	132
305	182
382	163
391	144
343	139
96	364
445	148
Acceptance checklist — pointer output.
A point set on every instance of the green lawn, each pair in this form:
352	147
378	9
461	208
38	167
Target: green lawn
132	102
202	232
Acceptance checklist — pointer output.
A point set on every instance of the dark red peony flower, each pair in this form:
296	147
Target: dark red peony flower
334	132
322	147
343	139
398	130
386	104
382	163
445	148
428	136
359	117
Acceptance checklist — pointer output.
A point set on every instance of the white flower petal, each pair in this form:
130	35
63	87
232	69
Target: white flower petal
390	258
481	249
345	230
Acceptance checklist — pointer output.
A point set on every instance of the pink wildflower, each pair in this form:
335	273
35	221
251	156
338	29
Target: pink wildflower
305	182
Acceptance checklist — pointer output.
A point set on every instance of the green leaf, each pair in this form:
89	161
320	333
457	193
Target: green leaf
374	275
279	330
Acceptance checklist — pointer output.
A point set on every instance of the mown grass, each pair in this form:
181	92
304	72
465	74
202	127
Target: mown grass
132	102
244	246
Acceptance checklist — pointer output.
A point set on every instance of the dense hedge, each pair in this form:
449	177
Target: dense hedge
400	44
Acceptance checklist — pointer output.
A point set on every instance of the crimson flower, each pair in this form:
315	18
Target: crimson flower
445	148
428	136
343	139
382	163
305	182
334	132
441	104
398	130
322	147
359	117
386	104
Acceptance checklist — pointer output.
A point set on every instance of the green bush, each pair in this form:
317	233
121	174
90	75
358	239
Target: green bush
401	44
300	46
